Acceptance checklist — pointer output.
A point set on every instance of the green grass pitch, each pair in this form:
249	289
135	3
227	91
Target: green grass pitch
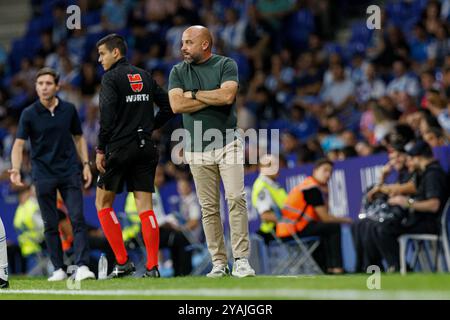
392	287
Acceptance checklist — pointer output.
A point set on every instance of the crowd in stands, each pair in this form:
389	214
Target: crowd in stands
327	99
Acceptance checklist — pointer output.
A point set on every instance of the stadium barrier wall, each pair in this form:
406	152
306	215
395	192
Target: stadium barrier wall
349	180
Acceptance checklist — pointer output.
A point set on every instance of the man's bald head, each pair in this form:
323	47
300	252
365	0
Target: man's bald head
201	32
196	44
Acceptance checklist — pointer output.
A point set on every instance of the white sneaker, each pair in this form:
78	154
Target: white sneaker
58	275
242	269
83	273
219	271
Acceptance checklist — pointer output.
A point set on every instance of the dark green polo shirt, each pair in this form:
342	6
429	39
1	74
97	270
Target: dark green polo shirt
207	76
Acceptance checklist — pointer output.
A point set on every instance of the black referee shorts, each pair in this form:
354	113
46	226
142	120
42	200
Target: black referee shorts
131	165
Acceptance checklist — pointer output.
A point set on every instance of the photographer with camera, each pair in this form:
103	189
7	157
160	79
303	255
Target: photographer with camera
421	212
375	208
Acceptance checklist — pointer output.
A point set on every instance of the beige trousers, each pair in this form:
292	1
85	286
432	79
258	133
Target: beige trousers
207	168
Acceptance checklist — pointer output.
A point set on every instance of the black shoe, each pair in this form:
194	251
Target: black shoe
122	270
4	284
152	273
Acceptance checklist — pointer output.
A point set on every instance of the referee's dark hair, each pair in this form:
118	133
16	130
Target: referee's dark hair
46	70
113	41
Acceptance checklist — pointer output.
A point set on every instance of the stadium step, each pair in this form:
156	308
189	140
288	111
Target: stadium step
344	32
14	16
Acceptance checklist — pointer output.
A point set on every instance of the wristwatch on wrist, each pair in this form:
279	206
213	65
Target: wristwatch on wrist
89	163
193	93
410	202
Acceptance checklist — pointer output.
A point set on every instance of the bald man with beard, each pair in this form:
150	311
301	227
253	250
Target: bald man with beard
203	88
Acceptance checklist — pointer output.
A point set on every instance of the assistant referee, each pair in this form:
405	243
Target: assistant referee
125	152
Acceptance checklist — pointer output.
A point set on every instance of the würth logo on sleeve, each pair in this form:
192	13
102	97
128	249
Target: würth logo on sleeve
135	82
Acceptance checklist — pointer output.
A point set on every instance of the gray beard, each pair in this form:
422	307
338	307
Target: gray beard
192	60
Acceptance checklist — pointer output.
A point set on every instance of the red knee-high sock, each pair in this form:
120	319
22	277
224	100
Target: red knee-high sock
150	233
113	232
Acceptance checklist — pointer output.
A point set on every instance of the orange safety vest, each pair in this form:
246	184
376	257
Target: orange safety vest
66	239
296	212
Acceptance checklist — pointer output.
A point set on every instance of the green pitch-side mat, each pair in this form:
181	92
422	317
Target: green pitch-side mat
389	286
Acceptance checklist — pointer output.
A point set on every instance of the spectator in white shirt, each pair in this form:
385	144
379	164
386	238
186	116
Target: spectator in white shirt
371	86
173	37
402	82
442	115
339	92
232	34
440	47
334	58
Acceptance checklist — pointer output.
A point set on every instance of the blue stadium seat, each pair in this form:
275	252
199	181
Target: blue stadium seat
17	54
299	26
418	6
48	5
91	18
37	25
32	46
359	29
331	47
243	64
280	124
408	25
91	40
71	2
355	47
397	12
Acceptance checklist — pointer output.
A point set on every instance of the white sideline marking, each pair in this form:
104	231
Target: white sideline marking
251	293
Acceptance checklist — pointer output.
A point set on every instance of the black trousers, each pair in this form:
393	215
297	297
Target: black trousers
176	242
367	253
386	235
328	254
70	188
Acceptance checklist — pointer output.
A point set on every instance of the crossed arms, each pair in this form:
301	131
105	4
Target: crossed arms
182	102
